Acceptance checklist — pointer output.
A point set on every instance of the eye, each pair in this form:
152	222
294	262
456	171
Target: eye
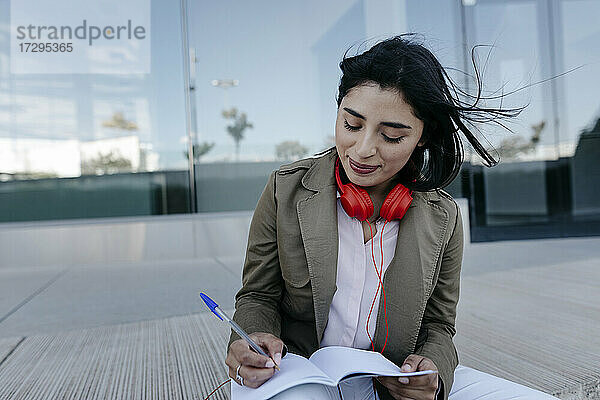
351	127
392	140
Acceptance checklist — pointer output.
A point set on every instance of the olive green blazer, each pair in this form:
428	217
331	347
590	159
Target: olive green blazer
289	275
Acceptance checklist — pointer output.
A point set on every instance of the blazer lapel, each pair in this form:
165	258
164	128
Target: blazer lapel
408	278
317	215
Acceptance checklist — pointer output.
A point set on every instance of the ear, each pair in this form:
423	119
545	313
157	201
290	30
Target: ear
421	144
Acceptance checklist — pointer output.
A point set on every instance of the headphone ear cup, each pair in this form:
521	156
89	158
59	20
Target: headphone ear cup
356	202
396	203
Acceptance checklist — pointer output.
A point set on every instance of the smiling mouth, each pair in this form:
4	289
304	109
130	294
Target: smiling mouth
361	168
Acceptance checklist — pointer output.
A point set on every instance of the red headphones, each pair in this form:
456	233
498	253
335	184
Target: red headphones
358	204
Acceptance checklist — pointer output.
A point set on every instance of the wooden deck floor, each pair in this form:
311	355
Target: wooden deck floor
538	326
174	358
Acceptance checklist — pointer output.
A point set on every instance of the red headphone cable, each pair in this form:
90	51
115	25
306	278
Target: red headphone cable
218	387
380	284
382	288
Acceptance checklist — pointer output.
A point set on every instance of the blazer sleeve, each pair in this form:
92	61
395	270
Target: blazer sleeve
439	317
257	302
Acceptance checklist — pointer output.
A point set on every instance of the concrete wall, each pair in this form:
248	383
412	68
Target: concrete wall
124	239
463	204
136	239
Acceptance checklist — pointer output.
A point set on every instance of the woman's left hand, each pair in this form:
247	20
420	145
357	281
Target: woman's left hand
420	387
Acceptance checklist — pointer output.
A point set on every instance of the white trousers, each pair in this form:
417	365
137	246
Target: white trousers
469	384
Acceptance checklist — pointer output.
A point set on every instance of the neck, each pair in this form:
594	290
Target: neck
379	193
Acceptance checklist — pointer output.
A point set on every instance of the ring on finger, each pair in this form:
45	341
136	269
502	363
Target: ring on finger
238	377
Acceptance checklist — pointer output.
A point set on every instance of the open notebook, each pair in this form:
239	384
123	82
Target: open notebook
328	366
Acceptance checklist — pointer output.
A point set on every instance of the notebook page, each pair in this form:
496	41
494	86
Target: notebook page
295	370
338	362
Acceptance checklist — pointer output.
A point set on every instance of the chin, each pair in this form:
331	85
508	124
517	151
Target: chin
364	181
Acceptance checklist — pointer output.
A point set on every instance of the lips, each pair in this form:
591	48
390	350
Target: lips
361	168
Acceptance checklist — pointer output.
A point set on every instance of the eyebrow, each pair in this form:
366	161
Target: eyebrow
390	124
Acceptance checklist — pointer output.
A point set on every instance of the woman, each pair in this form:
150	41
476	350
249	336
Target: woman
311	276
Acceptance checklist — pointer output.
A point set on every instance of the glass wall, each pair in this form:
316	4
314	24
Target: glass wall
265	83
95	145
260	80
518	58
546	184
578	38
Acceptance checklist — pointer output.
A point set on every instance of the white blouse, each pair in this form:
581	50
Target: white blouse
348	313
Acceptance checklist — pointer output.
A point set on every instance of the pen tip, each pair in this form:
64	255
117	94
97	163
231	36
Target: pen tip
277	367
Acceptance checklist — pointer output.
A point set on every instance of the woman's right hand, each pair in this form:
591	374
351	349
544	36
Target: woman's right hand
255	369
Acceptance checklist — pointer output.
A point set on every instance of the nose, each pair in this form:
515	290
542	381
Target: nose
366	146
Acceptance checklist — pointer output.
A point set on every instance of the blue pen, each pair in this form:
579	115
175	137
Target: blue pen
214	307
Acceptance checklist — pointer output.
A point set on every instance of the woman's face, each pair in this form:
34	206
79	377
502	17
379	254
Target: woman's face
375	135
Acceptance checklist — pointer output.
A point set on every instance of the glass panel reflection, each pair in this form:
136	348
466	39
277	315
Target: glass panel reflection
546	184
95	145
264	97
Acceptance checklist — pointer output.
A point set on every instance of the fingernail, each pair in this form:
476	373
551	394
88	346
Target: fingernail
406	368
270	364
403	380
277	358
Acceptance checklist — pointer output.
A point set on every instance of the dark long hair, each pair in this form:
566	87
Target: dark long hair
409	68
